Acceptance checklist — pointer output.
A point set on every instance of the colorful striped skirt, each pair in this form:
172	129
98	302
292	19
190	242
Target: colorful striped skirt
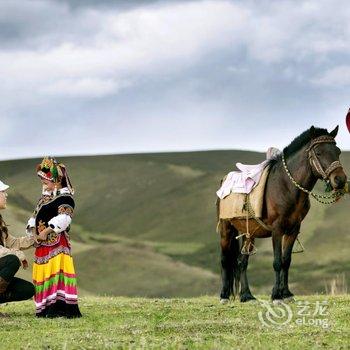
55	281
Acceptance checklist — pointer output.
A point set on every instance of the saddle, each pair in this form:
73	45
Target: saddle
234	205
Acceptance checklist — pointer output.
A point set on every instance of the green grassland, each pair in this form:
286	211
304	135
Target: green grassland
189	323
144	226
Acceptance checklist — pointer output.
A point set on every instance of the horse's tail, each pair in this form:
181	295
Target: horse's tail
228	235
236	267
217	204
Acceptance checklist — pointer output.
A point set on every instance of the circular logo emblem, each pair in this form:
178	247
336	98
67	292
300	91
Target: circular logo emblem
275	315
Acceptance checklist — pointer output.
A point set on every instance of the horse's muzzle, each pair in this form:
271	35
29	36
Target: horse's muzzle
338	179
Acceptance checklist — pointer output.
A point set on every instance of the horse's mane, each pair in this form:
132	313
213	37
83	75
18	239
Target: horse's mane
303	139
299	142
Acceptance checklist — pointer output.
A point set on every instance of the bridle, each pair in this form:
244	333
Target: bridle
318	170
314	161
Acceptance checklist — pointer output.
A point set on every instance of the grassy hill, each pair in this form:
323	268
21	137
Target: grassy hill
145	225
192	323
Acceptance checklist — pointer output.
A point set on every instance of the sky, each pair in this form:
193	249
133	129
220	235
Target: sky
105	77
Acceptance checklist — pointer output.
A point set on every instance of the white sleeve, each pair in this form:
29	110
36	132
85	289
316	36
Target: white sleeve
60	222
30	225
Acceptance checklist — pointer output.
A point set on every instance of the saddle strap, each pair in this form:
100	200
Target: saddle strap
251	214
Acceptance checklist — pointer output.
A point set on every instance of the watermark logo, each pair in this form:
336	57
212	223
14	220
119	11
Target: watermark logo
305	314
275	315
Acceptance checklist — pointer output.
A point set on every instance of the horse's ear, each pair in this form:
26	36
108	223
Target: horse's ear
334	132
312	132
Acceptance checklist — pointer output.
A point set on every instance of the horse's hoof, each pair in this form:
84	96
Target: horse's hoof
224	301
250	301
289	300
247	298
253	301
277	301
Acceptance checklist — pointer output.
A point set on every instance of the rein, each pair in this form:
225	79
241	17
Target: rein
318	170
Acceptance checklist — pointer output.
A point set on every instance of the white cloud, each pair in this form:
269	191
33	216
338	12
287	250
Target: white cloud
284	30
141	41
107	48
338	77
249	64
85	87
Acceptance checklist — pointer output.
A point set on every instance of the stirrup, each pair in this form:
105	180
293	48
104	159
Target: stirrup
300	250
247	251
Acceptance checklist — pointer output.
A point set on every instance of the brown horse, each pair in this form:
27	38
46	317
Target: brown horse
311	156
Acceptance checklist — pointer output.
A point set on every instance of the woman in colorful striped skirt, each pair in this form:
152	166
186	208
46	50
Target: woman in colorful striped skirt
53	269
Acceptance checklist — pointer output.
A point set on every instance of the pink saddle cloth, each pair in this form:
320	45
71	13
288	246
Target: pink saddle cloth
247	178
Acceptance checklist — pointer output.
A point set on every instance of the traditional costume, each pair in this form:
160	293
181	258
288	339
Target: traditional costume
53	270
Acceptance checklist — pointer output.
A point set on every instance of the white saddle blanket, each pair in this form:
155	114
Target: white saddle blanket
232	206
241	181
247	178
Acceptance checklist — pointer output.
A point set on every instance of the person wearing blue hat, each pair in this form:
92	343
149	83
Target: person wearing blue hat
11	259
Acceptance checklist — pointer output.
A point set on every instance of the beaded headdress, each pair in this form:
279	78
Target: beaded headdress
49	169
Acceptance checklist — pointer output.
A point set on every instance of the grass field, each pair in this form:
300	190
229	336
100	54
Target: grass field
192	323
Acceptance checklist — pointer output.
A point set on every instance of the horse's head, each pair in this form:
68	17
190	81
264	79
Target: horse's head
324	158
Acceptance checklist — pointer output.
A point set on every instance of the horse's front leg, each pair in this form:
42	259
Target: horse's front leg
288	243
277	263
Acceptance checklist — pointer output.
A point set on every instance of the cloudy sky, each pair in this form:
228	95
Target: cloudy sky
96	77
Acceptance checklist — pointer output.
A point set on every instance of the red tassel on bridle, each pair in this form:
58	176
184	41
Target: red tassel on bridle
348	120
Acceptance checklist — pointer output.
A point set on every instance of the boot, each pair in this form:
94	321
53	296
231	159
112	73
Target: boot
3	285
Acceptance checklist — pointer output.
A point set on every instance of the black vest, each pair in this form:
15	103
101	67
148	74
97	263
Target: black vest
49	207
